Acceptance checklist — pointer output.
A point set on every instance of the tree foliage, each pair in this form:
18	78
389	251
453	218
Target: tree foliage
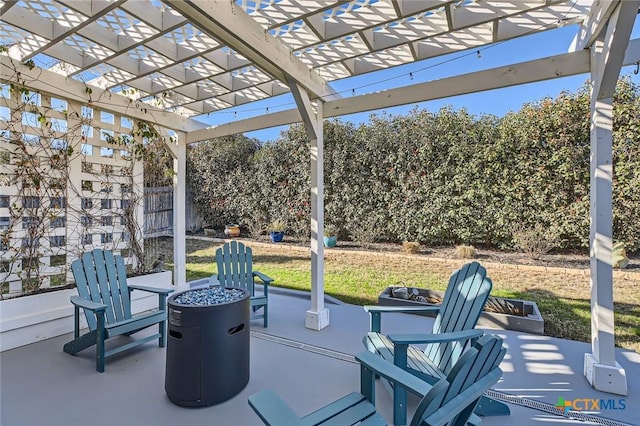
444	177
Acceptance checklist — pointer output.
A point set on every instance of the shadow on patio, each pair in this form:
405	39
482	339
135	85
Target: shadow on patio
41	385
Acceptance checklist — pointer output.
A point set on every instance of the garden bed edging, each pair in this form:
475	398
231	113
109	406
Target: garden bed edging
530	322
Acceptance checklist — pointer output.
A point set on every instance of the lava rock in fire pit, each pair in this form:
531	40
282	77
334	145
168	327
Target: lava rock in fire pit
209	296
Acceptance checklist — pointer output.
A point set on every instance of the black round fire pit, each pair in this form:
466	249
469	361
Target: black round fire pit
207	346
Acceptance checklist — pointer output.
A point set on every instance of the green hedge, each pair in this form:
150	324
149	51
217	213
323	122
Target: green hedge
438	178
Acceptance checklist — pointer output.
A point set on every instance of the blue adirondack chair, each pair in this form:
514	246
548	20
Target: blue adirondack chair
450	401
104	296
453	329
235	269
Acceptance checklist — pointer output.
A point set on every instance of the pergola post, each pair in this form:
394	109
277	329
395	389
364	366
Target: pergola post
317	317
607	52
179	221
600	367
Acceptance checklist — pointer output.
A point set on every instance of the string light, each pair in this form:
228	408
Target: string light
188	65
478	54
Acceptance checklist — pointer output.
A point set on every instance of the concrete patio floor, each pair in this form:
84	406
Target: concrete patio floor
41	385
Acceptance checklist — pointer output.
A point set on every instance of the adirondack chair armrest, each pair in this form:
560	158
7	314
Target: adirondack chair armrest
417	338
375	313
157	290
87	304
264	278
272	410
394	374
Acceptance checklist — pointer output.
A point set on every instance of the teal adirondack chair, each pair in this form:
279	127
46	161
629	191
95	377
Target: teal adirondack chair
450	401
453	329
104	296
235	269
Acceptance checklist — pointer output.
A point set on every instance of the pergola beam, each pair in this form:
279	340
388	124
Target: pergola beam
6	5
564	65
228	23
58	85
613	56
595	24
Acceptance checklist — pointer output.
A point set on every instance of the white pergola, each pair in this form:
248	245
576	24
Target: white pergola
171	61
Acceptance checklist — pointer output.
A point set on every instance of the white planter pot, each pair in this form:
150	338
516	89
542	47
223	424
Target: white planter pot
29	319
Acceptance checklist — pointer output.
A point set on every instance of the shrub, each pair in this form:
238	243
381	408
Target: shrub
256	227
534	240
411	247
443	177
465	252
366	233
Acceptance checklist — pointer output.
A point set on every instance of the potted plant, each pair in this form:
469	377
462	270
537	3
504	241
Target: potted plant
276	231
620	259
232	230
330	236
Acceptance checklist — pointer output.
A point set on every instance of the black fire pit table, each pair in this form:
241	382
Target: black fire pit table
207	346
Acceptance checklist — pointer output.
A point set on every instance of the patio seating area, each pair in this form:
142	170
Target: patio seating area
41	385
86	86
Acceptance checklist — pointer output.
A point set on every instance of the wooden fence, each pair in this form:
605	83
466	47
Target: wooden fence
158	211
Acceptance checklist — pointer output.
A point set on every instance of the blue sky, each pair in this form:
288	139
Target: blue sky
497	102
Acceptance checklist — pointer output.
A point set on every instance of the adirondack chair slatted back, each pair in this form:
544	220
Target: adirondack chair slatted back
430	403
464	299
490	355
235	268
478	364
101	277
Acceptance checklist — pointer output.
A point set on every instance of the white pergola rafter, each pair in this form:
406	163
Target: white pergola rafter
6	6
336	39
55	31
231	25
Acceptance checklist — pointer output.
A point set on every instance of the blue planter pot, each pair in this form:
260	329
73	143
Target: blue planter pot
276	237
330	241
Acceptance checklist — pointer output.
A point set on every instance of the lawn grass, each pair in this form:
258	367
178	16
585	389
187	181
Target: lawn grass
358	277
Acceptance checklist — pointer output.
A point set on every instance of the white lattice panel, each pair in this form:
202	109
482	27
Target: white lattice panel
74	210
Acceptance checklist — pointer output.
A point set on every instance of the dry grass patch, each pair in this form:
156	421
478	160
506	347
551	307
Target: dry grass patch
411	247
